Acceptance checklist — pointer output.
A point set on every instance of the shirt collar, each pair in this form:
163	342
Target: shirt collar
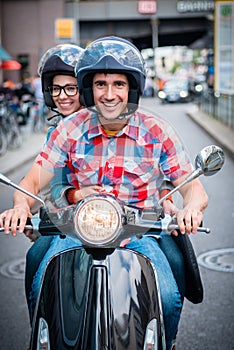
131	129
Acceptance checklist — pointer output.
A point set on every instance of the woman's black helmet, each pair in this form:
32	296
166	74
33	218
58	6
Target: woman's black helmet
59	60
111	55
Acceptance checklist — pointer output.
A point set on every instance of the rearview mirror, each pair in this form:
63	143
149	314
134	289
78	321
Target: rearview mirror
210	160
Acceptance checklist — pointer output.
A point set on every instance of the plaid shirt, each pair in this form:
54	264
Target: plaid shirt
130	164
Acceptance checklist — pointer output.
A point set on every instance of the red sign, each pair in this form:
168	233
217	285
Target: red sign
147	6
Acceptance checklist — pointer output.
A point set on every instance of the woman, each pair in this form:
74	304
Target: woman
61	95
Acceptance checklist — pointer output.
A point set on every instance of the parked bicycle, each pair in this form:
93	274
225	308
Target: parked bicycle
10	134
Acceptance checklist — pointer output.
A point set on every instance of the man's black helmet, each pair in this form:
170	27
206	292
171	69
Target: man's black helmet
111	55
59	60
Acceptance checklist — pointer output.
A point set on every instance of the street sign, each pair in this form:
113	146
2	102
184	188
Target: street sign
64	30
147	7
224	51
195	6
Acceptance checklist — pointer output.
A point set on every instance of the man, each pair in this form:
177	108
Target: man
112	147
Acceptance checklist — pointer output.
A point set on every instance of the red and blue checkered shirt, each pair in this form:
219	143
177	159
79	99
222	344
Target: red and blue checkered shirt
131	164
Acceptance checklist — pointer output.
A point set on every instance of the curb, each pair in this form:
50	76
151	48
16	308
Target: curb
222	133
13	159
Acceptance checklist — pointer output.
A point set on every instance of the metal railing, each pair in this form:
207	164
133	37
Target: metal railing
220	107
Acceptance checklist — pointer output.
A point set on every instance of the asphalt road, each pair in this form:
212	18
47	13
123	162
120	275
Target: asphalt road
14	321
207	326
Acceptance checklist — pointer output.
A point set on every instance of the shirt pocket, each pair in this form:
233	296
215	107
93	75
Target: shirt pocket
139	173
87	171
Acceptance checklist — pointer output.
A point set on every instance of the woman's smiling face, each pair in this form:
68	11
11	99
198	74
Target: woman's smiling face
66	104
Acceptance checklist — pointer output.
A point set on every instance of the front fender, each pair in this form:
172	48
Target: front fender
98	299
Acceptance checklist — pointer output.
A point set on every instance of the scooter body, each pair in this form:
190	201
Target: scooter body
98	299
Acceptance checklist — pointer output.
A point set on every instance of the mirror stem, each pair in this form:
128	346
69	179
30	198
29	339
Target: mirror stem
189	178
8	182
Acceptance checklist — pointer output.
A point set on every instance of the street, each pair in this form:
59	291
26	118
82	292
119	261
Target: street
208	325
14	321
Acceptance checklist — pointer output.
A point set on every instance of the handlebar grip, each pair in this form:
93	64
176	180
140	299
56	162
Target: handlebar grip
172	227
27	227
204	229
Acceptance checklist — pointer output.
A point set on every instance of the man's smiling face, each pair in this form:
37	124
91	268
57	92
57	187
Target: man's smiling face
110	96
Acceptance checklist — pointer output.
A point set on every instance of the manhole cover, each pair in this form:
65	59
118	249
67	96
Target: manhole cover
219	260
13	269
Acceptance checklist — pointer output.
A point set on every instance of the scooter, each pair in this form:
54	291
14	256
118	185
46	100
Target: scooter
101	295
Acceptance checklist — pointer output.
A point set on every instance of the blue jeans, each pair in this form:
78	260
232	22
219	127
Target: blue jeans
170	296
33	259
175	259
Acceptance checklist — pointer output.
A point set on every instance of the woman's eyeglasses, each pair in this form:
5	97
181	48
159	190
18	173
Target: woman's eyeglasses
70	90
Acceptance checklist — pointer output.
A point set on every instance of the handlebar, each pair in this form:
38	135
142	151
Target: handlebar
172	227
51	230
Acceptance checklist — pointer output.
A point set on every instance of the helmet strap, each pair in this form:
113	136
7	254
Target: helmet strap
57	114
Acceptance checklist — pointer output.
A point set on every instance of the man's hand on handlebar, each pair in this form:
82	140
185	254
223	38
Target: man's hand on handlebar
188	218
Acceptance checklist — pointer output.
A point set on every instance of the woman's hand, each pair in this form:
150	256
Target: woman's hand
15	219
169	207
87	191
73	195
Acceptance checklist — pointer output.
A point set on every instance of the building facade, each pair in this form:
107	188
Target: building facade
29	27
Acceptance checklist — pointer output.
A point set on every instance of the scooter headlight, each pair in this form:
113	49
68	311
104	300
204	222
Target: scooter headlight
98	220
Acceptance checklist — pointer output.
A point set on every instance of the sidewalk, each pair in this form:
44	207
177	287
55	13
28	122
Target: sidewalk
33	143
223	134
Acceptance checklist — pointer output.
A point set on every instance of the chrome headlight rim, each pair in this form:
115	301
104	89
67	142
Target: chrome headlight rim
88	204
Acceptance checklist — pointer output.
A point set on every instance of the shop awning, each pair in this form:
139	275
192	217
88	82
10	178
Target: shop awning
10	65
3	54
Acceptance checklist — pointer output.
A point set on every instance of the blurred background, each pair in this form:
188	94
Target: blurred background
186	43
188	47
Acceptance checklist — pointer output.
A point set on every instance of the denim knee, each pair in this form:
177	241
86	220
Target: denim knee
34	257
175	259
170	296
